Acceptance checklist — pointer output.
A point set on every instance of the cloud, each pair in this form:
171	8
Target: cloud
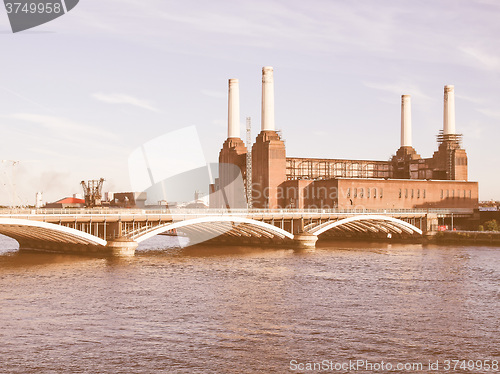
486	59
214	94
62	126
262	24
61	134
124	99
490	113
474	100
23	97
398	89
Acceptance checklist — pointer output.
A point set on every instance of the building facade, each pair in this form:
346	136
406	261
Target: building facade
406	181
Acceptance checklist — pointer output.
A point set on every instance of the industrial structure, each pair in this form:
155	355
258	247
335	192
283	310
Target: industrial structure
92	192
406	181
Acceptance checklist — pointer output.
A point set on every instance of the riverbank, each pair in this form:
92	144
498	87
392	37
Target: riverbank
475	237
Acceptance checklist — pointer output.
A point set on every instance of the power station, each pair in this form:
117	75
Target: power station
406	181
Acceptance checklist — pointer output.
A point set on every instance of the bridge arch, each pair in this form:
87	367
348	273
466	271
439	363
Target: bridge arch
367	223
250	225
24	230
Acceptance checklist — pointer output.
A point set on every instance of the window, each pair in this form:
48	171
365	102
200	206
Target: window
406	193
374	192
470	194
418	194
381	192
442	194
412	193
447	193
423	194
368	193
355	192
348	192
452	194
400	193
464	195
361	193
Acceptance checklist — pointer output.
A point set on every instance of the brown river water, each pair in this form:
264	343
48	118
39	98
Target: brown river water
252	310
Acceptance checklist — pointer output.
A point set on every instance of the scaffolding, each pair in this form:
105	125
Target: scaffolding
449	143
249	163
314	169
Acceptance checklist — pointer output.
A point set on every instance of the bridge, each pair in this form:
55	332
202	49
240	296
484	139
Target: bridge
120	231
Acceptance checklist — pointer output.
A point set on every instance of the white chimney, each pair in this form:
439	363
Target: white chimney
233	122
39	200
406	121
449	110
267	99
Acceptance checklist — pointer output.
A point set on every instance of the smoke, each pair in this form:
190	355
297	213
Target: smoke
21	180
52	183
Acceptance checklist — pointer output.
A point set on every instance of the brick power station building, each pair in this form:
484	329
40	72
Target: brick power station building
405	181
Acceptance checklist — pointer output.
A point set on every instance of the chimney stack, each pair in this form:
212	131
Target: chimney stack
449	110
406	121
267	99
233	118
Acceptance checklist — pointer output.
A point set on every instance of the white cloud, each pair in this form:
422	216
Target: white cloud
490	113
398	89
124	99
214	94
488	60
62	135
62	126
474	100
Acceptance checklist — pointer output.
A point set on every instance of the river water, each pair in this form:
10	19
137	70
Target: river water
251	310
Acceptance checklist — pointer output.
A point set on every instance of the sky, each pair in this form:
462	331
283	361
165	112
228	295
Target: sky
79	94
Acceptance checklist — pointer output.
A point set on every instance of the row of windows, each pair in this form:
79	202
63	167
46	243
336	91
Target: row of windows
370	192
407	193
459	193
411	193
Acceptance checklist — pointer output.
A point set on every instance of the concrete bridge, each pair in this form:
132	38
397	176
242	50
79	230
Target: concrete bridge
120	231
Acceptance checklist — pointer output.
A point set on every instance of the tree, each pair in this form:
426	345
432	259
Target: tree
491	225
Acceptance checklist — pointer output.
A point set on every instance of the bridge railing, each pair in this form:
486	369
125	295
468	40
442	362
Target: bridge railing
201	212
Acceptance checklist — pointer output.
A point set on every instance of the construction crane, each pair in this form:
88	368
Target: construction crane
92	190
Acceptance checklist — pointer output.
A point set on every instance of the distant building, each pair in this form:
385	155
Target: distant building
129	200
67	202
406	181
38	200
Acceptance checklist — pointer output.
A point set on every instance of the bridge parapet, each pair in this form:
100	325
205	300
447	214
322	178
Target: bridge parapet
126	212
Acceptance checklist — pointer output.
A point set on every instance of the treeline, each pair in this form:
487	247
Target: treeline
491	225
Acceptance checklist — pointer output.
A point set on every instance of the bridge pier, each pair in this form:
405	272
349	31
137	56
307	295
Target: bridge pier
430	226
118	247
305	240
121	247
